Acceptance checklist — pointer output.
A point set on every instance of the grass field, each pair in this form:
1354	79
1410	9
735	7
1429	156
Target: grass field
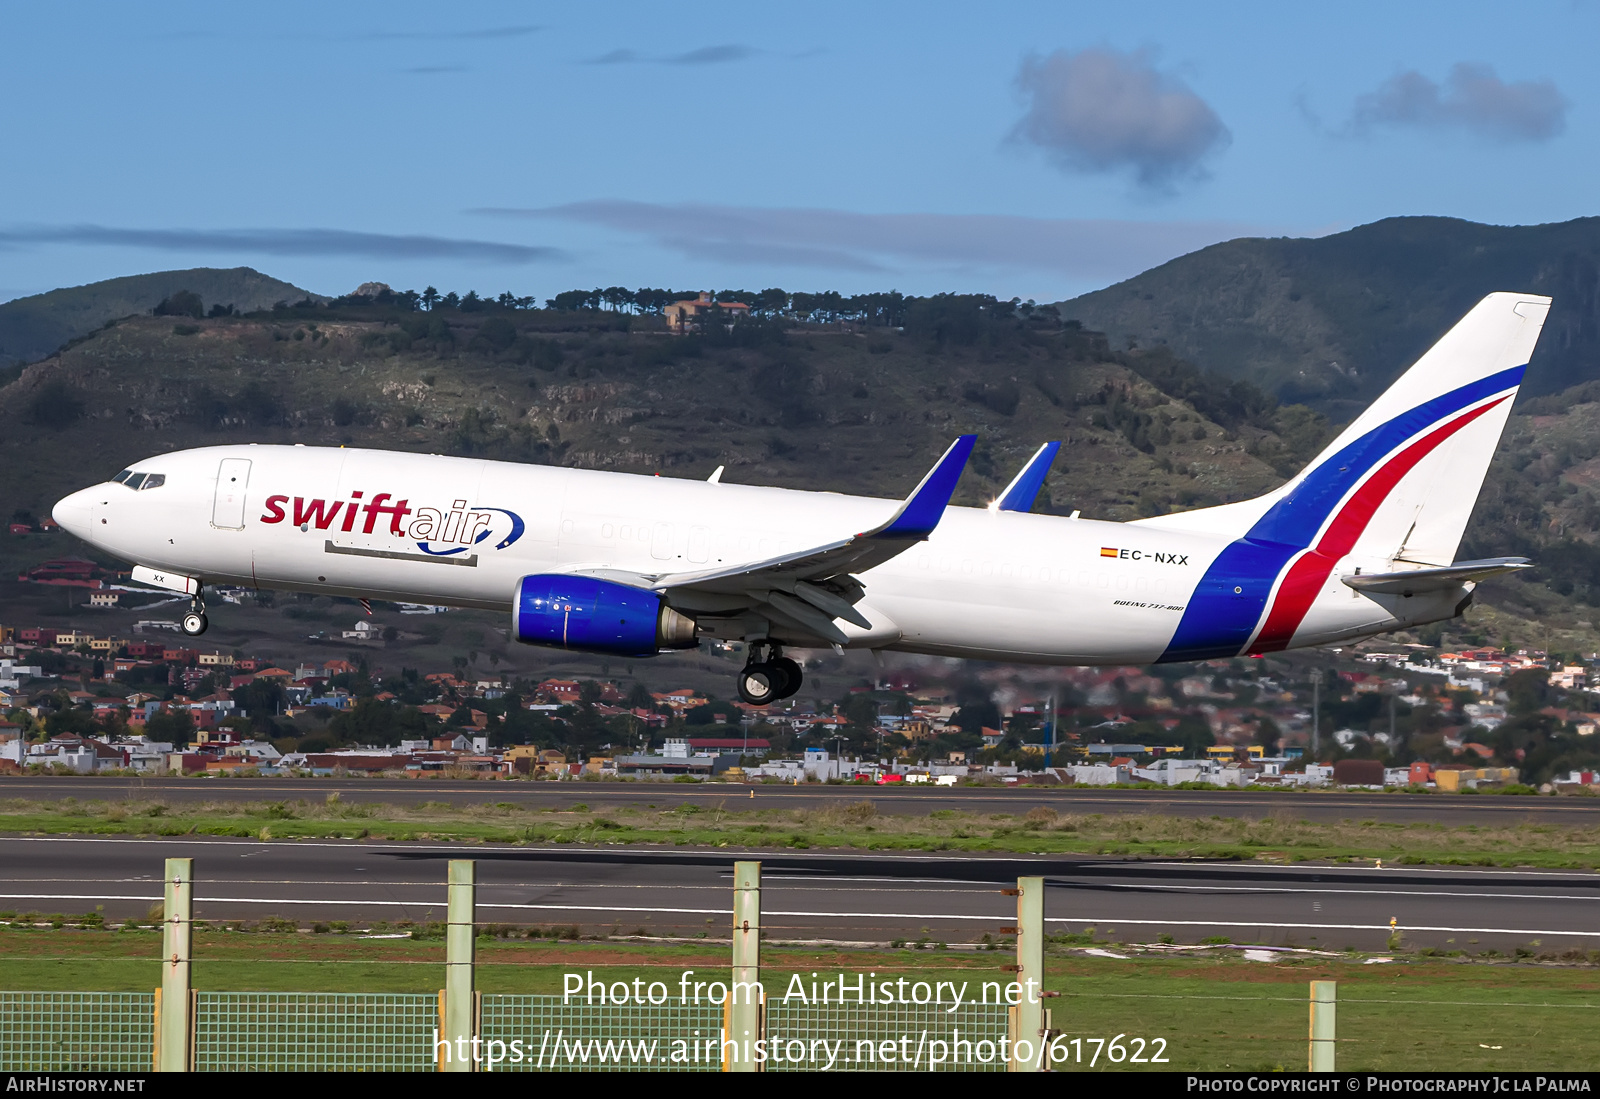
1041	830
1213	1012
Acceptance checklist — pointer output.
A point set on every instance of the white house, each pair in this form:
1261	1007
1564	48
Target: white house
1100	774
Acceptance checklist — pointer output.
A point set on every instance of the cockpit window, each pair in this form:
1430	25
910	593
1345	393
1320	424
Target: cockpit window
154	480
123	476
134	481
139	481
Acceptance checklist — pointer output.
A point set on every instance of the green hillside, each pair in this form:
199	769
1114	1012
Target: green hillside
33	327
822	408
1331	321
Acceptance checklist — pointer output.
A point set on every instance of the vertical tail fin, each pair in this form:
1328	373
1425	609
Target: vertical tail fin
1400	482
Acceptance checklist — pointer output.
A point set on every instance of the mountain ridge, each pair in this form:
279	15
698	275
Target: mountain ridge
1331	321
35	326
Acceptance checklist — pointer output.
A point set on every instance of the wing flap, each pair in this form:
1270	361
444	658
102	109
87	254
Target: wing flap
804	614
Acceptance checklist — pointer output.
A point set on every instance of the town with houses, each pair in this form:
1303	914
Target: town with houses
75	701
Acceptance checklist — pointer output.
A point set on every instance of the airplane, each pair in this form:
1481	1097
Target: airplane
1361	541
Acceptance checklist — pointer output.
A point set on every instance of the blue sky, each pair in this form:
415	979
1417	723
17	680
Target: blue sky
1037	150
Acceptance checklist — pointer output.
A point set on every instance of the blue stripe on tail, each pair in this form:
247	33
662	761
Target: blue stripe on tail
1219	620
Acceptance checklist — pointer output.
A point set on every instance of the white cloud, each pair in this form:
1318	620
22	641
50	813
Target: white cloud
1081	250
1472	98
1099	110
282	242
705	55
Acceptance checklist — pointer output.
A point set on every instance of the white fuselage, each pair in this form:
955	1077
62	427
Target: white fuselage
426	528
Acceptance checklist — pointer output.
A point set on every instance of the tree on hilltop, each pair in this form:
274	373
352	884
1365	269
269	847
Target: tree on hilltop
184	303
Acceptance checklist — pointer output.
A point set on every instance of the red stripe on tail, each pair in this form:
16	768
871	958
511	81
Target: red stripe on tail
1310	571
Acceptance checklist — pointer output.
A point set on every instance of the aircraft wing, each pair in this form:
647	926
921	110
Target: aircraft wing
1436	579
811	587
1024	487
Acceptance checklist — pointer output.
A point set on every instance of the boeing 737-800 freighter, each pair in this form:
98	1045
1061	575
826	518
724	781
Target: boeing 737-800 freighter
1361	541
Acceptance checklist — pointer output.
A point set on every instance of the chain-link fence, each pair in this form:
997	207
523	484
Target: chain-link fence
76	1031
1378	1029
314	1031
1176	1014
529	1033
905	1037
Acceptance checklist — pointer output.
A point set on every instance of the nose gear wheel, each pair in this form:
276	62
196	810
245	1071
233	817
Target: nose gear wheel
195	622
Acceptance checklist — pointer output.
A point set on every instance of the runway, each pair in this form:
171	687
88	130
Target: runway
1312	805
809	896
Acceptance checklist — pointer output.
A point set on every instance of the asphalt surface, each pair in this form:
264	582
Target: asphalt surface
908	800
866	898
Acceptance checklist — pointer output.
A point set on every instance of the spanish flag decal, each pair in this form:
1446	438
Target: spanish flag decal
1107	551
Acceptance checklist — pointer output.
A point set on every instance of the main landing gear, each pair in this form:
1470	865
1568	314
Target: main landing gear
195	623
768	679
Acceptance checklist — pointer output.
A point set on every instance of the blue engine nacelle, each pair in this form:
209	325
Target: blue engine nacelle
597	616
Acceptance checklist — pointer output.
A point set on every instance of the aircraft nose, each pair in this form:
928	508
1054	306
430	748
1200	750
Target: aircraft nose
73	512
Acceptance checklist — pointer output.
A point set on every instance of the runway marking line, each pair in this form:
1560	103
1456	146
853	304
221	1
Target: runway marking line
828	885
1087	920
734	852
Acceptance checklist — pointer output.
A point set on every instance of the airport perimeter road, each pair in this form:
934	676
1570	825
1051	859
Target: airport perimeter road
813	896
917	800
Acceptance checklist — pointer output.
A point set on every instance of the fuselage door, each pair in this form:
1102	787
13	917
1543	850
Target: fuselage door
227	510
699	544
661	541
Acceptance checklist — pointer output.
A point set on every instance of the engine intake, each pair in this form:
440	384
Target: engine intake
586	614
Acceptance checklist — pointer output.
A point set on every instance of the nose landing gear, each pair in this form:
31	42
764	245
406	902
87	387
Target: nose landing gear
195	623
767	680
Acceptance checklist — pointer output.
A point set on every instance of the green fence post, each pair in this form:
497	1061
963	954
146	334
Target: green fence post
1028	1018
1323	997
175	1026
746	1003
460	940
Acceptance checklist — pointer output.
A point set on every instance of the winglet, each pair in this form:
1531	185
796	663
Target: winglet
1024	488
925	506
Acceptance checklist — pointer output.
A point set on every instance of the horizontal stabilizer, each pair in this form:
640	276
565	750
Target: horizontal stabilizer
1024	488
1442	579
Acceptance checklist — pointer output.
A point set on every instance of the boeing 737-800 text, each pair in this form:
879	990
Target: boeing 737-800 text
1361	541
